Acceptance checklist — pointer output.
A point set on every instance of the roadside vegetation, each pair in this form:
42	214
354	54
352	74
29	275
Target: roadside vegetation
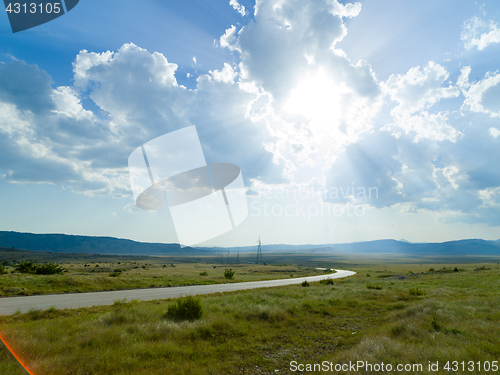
27	277
410	315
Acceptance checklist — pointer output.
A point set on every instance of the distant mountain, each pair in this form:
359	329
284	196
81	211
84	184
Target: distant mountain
62	243
109	245
461	247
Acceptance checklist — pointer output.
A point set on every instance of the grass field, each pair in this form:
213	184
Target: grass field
400	314
86	273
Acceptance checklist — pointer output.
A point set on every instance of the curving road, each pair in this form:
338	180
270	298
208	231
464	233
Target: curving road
75	300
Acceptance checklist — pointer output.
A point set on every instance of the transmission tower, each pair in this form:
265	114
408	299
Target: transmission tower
259	252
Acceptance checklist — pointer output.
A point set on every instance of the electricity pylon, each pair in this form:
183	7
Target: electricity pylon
259	252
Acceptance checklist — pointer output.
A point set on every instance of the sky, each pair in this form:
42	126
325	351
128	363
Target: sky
350	121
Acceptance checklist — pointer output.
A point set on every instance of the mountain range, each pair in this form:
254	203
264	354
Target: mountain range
109	245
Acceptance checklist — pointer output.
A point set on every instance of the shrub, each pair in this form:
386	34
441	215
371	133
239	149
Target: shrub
305	283
26	267
229	274
377	287
397	330
416	292
435	324
49	269
455	269
185	308
326	281
204	273
431	269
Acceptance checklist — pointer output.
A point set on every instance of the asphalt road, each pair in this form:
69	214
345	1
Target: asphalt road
75	300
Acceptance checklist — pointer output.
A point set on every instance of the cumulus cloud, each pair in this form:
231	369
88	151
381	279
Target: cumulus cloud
416	92
229	39
482	96
312	98
479	33
52	138
420	88
494	132
238	7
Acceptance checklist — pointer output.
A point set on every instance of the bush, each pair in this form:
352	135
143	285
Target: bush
204	273
377	287
185	308
229	274
431	269
49	269
115	273
45	269
435	325
455	269
326	281
2	269
416	292
305	283
26	267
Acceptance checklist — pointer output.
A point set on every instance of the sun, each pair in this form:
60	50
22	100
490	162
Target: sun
317	97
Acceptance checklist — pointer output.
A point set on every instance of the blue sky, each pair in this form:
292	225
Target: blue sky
349	121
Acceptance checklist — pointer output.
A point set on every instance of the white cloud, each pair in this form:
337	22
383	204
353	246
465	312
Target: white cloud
420	88
226	75
312	114
415	92
69	104
131	208
229	40
52	139
238	7
480	34
482	96
426	126
494	132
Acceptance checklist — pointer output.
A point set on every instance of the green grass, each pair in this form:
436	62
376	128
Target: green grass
135	274
260	331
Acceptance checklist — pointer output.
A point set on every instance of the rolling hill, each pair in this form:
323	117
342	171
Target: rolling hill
110	245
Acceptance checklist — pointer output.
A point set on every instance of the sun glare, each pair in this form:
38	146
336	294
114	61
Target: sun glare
318	98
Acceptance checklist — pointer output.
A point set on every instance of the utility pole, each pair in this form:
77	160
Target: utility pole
259	252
